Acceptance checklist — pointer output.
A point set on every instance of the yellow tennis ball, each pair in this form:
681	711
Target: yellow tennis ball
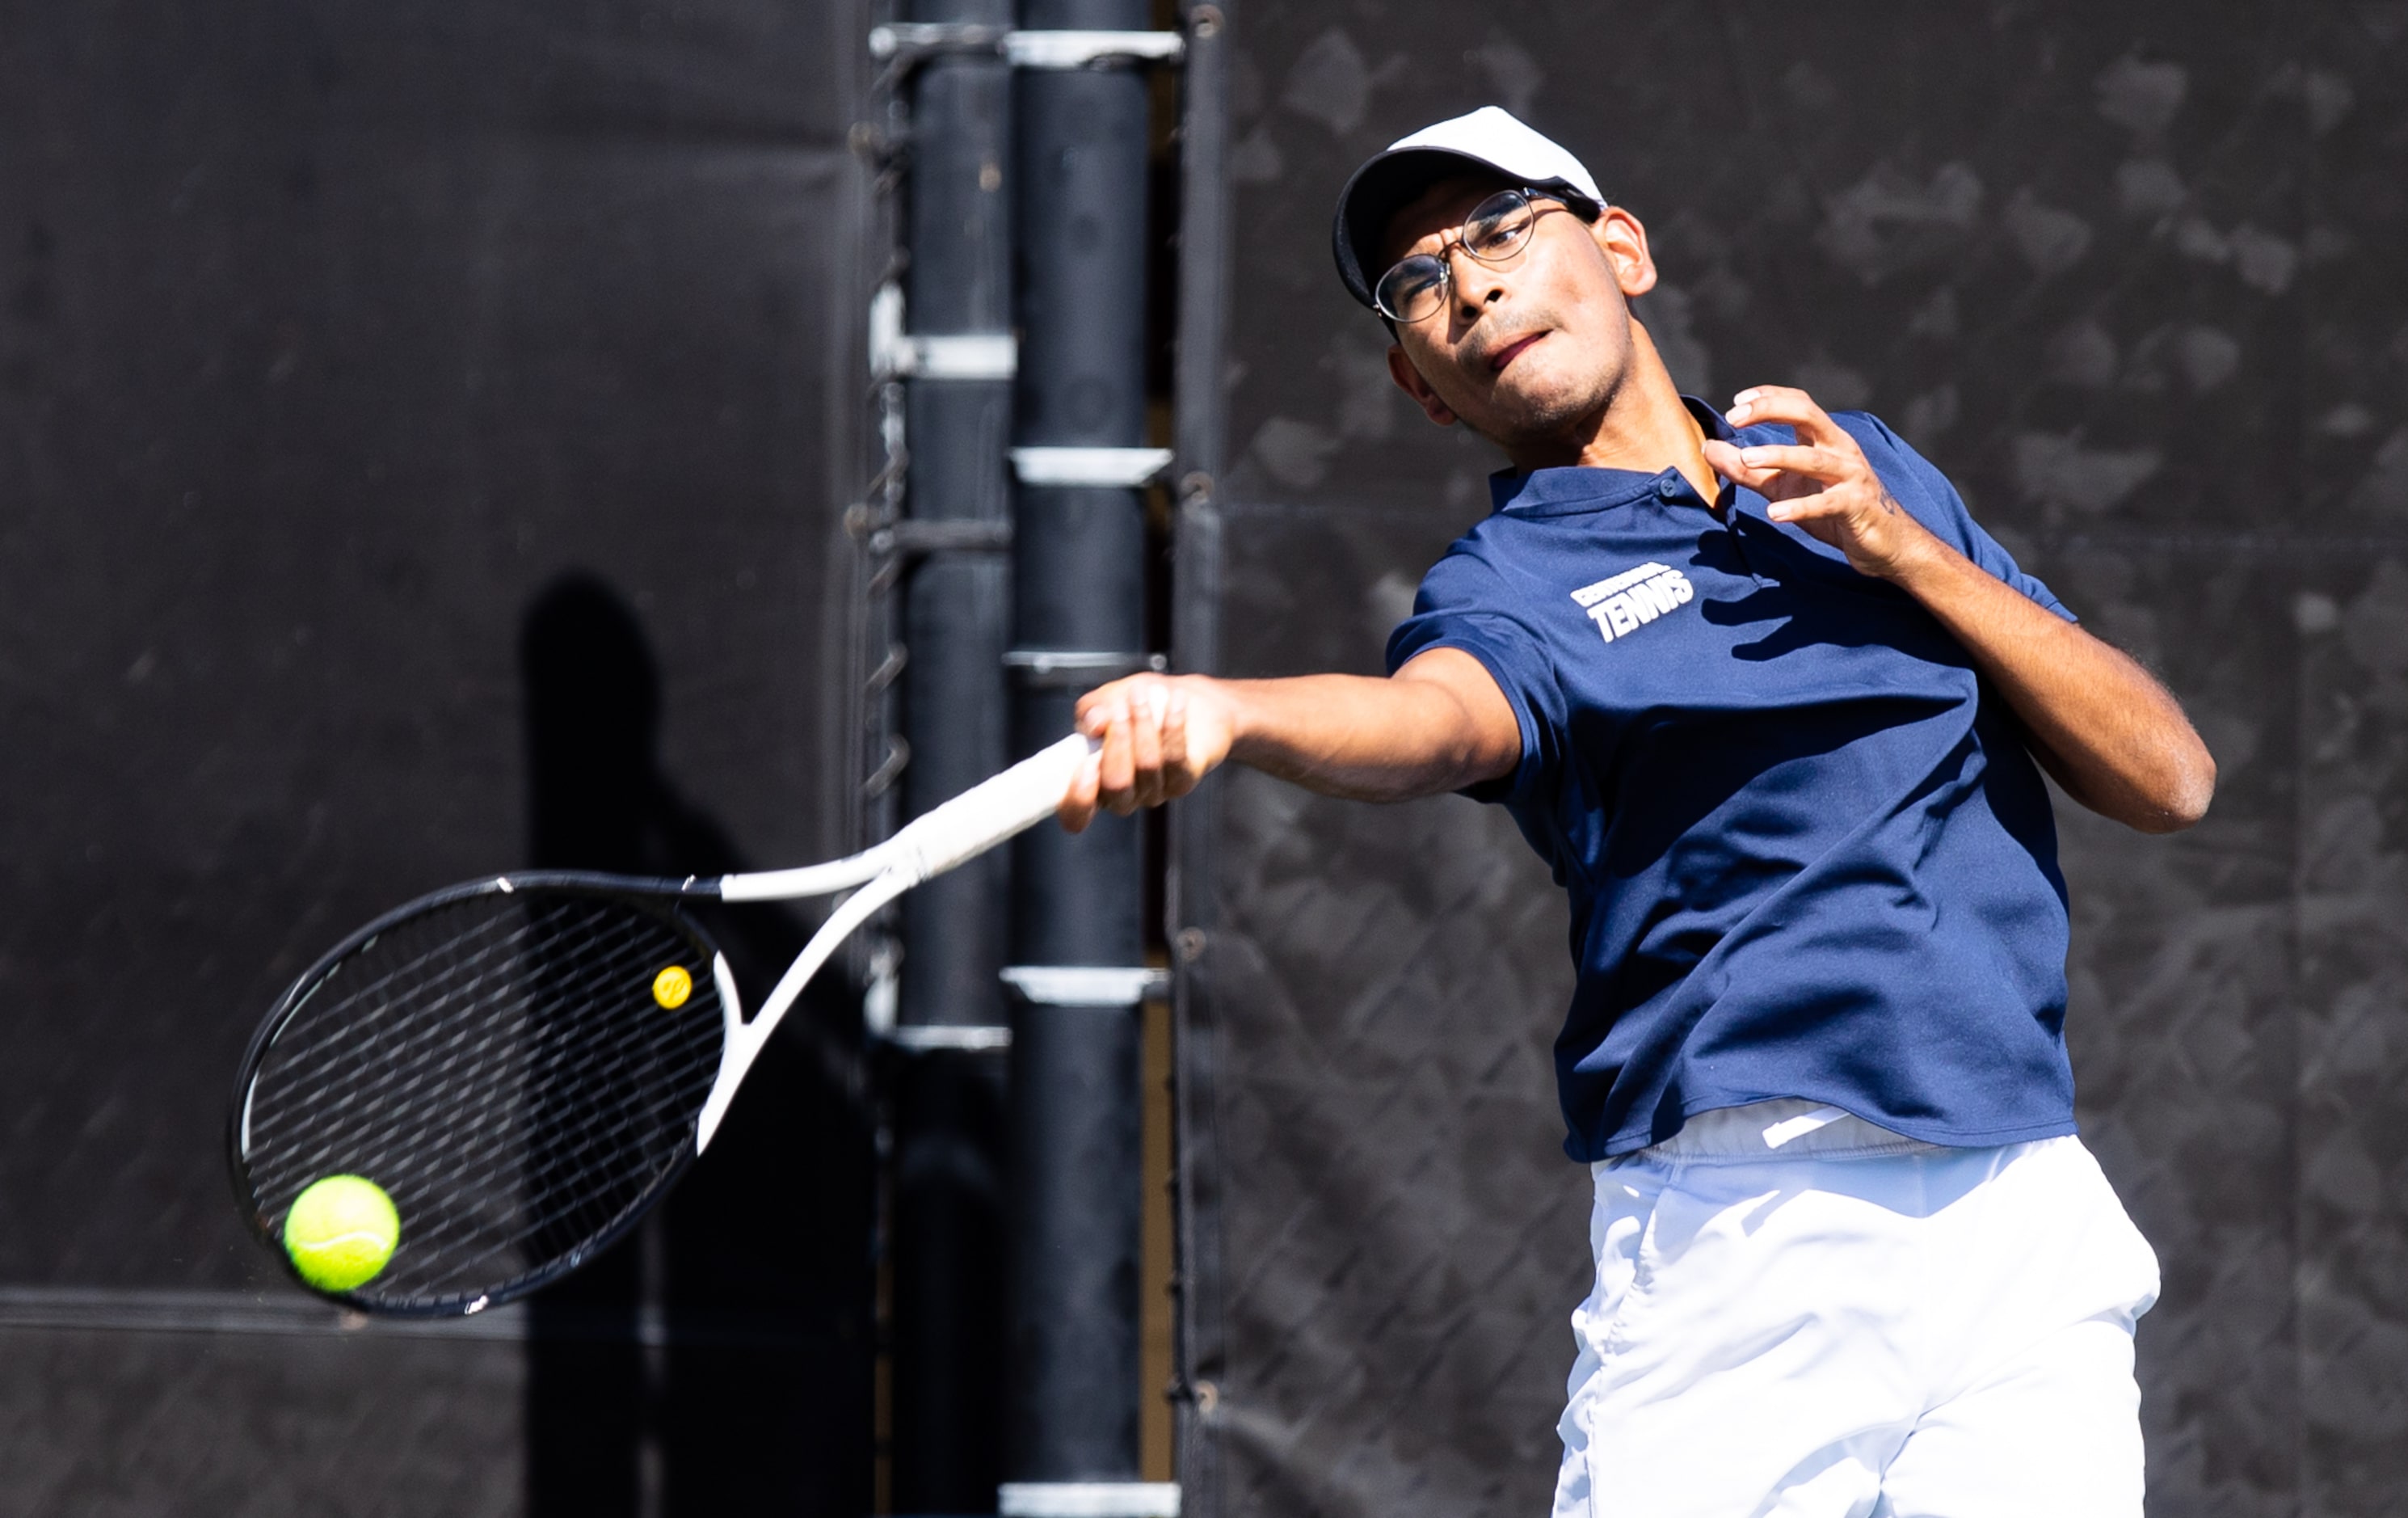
340	1232
672	986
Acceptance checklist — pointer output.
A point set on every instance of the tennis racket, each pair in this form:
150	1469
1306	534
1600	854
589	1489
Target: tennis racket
526	1063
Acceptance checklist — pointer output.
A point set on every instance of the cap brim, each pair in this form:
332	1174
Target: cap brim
1388	183
1384	185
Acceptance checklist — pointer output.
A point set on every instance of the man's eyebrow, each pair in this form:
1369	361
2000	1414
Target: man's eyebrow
1395	244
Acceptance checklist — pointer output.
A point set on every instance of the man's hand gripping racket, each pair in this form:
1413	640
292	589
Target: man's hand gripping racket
526	1064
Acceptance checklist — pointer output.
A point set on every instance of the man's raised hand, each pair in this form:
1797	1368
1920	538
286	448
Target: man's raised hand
1161	735
1823	483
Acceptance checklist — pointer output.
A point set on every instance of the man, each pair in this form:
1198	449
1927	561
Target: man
1770	703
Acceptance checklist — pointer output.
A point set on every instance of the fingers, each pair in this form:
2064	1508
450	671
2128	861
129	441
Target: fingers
1077	806
1116	770
1782	403
1824	454
1095	708
1179	776
1724	460
1145	744
1144	761
1776	473
1828	464
1806	508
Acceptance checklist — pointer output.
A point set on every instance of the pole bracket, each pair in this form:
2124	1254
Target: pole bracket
1088	985
921	1037
1105	467
1077	665
898	354
917	537
906	43
1087	1499
890	769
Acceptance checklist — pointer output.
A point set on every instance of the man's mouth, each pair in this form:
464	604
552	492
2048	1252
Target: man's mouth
1511	351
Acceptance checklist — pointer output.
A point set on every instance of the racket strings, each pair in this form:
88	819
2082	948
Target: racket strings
501	1066
562	1151
448	1048
464	1051
547	1076
367	1014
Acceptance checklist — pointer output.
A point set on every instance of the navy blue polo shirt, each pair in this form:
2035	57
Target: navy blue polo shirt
1807	852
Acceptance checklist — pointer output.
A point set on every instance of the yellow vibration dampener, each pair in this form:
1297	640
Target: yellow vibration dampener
672	986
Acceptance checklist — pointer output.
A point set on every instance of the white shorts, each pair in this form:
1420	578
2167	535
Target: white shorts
1800	1313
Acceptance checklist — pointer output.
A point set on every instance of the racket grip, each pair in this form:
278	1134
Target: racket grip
991	811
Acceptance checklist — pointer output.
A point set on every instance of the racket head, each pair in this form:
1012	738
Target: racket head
498	1057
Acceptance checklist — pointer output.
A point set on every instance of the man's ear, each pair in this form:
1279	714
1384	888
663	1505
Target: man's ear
1409	380
1620	236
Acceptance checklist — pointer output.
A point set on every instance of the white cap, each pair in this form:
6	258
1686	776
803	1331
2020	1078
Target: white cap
1489	138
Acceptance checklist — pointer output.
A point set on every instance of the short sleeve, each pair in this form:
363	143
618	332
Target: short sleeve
1926	492
1463	604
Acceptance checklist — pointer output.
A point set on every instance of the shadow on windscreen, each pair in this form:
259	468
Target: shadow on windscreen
717	1360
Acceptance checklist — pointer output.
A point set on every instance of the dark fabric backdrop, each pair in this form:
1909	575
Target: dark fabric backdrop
354	356
2132	274
422	430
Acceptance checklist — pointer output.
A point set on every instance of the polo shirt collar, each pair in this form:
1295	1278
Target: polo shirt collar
1561	491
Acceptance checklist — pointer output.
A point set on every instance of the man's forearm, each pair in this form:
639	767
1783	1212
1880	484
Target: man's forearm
2102	725
1437	724
1363	738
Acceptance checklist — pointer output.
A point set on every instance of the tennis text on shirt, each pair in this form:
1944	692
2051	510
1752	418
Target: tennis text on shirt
1633	598
1806	853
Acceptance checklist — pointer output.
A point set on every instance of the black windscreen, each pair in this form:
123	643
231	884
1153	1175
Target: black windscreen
423	435
2128	274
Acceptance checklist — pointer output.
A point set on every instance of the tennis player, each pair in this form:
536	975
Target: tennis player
1774	709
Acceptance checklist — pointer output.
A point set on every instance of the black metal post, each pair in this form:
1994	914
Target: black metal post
949	1189
1082	140
1201	408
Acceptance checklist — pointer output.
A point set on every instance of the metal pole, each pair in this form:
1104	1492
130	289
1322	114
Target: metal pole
1082	140
1195	823
948	1192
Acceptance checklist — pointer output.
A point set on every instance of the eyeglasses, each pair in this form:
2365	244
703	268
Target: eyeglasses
1495	232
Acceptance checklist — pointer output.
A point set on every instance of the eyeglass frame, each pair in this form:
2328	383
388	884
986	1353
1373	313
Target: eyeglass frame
1530	195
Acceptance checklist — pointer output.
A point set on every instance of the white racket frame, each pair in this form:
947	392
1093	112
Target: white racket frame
989	812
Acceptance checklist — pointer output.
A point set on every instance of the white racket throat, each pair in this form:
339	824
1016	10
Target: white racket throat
988	814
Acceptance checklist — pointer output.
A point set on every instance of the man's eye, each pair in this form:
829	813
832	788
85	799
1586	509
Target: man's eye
1500	236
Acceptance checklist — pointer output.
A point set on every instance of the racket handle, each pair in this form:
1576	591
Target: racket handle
989	812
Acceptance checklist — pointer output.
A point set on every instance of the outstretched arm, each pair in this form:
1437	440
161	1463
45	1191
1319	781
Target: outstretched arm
2100	724
1437	724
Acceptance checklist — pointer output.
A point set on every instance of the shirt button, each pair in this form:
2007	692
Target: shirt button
1667	488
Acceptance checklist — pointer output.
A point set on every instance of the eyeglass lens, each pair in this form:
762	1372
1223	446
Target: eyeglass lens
1493	232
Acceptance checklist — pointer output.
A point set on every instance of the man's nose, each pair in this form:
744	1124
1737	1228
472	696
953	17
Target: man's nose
1476	285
